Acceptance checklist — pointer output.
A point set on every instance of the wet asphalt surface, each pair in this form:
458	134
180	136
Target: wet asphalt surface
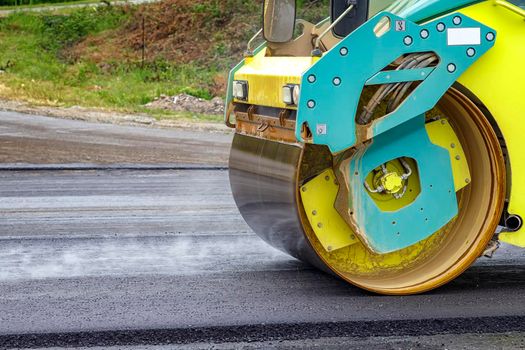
114	258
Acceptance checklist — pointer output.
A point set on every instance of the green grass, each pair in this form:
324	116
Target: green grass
30	50
47	4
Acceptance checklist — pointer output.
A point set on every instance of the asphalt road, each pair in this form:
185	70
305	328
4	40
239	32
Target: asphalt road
164	255
137	258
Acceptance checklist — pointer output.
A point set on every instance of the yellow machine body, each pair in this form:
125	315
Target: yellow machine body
498	80
267	75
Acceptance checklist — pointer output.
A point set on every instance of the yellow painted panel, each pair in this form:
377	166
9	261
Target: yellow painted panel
441	133
498	80
267	75
318	196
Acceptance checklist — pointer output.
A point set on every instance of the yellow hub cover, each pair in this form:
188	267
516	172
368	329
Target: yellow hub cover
392	182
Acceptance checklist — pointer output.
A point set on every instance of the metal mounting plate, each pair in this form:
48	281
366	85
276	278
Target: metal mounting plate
436	205
318	197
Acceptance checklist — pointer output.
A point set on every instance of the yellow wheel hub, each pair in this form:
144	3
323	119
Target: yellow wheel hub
392	182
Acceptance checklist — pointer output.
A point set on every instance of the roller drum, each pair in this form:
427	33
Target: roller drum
263	178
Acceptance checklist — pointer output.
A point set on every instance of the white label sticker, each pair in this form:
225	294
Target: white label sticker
401	26
463	36
321	129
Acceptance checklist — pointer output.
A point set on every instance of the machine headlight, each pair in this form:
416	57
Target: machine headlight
296	93
240	90
291	94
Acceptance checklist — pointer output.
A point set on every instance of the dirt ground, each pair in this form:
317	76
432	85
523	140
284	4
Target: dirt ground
188	103
177	31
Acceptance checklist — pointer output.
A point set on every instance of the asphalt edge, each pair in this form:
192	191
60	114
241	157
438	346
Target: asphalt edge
267	332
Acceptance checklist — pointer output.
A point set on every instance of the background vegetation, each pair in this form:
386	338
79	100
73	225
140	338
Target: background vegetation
122	57
31	2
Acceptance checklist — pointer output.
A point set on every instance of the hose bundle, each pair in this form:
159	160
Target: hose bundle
396	91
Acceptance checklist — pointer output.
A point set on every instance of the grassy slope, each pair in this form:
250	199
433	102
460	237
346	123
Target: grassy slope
92	56
26	5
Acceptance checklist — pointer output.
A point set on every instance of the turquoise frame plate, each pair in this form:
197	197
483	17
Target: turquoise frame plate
434	207
330	109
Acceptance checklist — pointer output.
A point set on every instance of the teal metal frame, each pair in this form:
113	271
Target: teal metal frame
436	204
329	97
386	77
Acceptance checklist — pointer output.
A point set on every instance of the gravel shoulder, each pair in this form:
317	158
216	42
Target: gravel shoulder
108	117
28	139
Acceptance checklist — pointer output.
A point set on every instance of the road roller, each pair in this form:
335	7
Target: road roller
384	144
